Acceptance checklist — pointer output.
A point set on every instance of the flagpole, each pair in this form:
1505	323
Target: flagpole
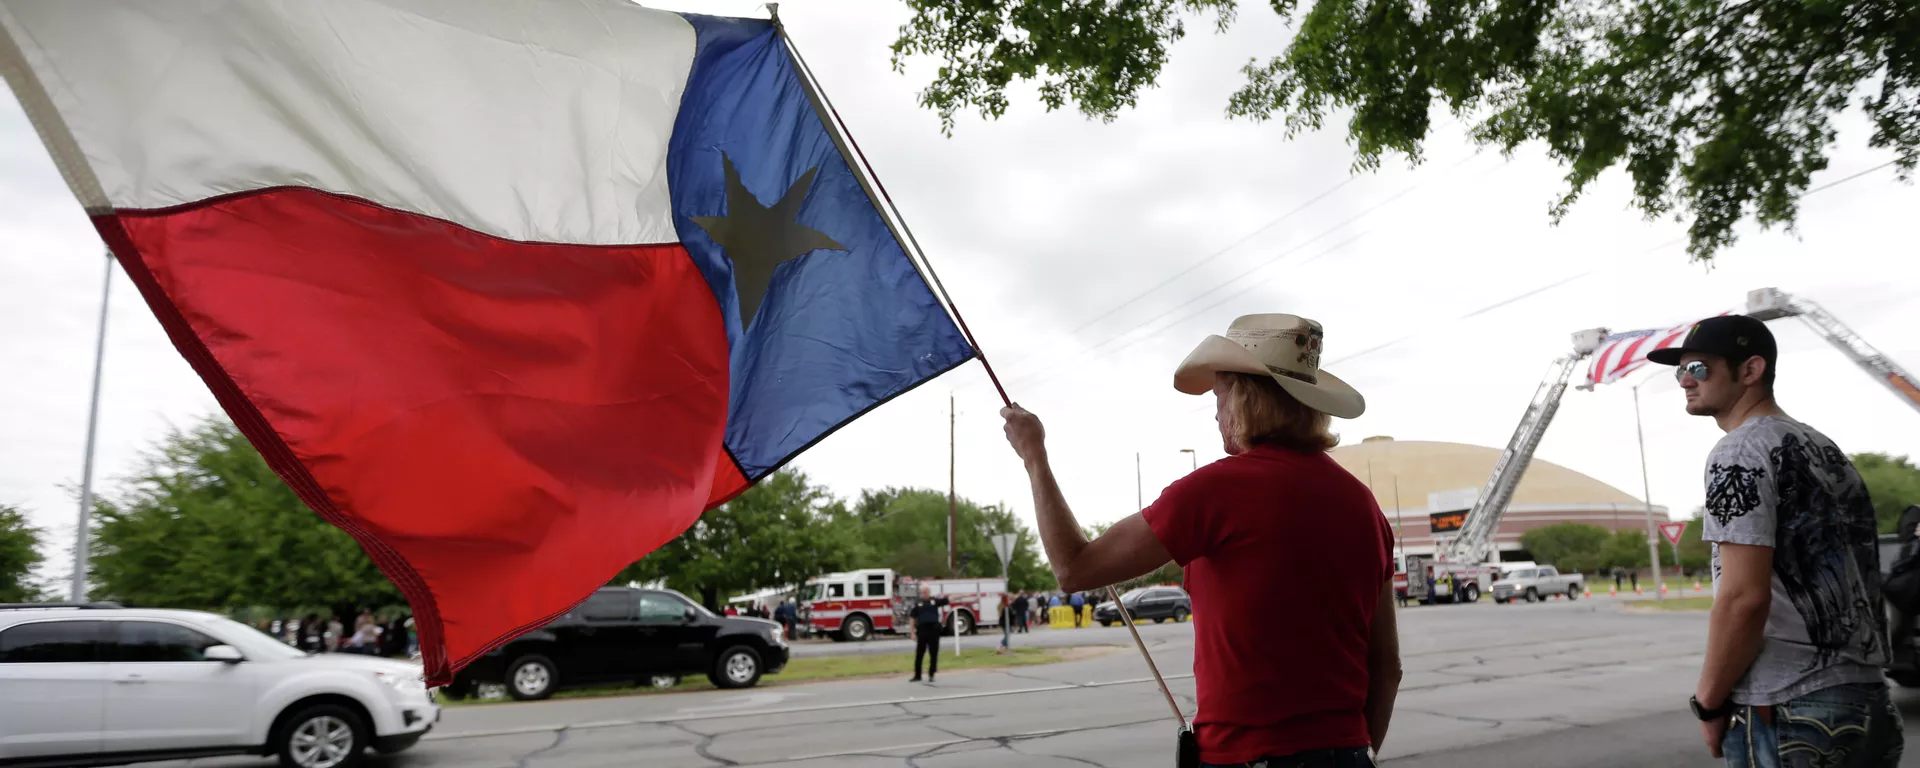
81	541
870	183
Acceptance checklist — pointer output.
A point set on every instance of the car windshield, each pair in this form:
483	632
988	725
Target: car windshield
1133	596
812	592
252	642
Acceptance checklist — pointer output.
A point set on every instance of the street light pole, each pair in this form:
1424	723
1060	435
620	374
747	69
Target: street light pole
81	541
1193	454
1646	485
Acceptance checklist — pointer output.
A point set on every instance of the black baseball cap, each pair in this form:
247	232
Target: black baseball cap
1734	337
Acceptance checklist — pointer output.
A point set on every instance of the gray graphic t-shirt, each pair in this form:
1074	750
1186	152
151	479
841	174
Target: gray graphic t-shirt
1775	482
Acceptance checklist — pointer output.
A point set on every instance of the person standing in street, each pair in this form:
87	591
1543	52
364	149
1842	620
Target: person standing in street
925	615
1308	680
1077	602
1796	638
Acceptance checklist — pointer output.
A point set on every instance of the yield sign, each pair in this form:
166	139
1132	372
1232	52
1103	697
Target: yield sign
1673	531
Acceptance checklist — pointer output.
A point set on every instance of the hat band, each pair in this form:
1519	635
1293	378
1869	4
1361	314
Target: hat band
1295	375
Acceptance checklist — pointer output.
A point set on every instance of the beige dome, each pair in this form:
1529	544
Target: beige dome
1443	477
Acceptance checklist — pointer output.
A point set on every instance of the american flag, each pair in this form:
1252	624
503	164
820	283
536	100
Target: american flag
1623	353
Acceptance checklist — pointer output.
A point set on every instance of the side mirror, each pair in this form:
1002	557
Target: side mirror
223	653
690	615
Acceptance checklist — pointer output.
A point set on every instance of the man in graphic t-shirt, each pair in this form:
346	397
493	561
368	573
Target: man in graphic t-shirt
1796	639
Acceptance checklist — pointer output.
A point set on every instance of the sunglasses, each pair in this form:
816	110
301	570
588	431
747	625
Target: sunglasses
1697	369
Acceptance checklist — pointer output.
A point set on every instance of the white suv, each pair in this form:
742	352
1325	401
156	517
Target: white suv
97	684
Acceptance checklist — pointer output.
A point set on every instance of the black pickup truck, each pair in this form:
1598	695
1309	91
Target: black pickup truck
622	634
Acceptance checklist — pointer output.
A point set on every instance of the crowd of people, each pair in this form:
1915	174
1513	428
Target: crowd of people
368	635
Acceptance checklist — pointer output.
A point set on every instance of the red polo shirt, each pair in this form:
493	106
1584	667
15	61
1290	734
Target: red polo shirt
1286	554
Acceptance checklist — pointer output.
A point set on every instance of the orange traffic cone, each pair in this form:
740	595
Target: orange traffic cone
1589	594
1613	591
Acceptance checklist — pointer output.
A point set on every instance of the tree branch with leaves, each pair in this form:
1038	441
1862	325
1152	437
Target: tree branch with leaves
1718	111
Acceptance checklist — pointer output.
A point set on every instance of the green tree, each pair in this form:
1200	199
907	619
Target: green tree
1566	546
207	524
19	554
1695	553
1892	481
906	529
1718	110
779	533
1625	549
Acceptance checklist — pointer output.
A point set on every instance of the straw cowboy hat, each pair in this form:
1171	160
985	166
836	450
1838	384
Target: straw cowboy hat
1286	347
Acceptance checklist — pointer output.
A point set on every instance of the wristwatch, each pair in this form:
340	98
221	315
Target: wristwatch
1705	715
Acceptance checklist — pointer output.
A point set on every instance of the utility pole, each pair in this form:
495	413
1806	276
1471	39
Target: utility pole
1139	500
81	540
1399	537
1193	454
1646	485
953	495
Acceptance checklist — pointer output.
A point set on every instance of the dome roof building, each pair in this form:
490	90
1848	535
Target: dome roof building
1424	479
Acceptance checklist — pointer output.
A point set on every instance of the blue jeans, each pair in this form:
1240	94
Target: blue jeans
1352	757
1846	726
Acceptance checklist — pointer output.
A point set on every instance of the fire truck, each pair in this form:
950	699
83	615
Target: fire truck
855	604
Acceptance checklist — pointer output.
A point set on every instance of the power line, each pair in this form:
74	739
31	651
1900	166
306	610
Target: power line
1046	372
1271	223
1569	279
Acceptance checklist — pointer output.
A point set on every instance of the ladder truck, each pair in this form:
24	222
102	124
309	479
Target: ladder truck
1773	304
1459	569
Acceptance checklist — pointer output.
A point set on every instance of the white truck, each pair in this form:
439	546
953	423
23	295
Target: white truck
1538	583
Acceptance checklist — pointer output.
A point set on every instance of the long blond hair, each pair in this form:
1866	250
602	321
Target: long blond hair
1261	413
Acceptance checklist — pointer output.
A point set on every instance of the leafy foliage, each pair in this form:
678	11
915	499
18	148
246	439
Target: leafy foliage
19	554
1626	549
1717	109
1566	546
1892	481
1695	553
906	529
778	533
207	524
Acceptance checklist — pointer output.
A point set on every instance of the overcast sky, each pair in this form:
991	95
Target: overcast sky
1040	223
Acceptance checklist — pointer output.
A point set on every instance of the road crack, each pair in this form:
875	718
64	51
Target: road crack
706	743
559	737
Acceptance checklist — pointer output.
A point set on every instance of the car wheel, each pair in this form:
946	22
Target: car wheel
857	629
1573	593
460	690
737	667
531	678
1106	622
321	736
962	623
1471	593
1160	620
663	682
1533	596
1180	614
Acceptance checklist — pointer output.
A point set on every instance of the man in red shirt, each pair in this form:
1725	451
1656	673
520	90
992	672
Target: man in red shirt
1310	677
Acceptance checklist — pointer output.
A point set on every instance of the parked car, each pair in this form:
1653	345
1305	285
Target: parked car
621	634
98	684
1536	584
1157	603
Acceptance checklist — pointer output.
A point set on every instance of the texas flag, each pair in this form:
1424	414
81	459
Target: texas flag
511	291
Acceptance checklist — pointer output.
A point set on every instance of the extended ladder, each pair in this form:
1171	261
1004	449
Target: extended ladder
1772	303
1476	535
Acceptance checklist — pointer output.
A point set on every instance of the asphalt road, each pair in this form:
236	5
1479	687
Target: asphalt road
1562	684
